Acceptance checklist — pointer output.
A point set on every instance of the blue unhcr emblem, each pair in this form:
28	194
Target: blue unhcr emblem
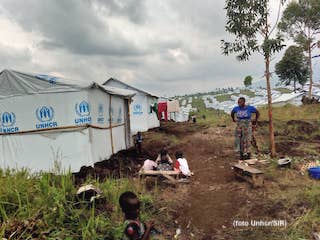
119	120
100	110
83	109
8	119
137	109
48	78
45	114
100	118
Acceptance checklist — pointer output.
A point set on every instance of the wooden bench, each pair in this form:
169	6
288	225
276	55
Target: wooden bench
172	176
250	174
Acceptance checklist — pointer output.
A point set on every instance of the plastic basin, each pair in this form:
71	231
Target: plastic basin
314	172
284	162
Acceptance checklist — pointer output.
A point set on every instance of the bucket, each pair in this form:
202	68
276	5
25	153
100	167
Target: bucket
314	172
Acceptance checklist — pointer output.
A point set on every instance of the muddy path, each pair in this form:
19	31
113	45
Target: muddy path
214	197
211	201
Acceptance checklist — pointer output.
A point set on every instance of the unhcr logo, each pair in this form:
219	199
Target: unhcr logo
137	109
8	121
50	79
83	111
100	118
45	115
119	119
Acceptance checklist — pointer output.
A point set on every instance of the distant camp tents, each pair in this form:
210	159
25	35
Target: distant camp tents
47	120
143	109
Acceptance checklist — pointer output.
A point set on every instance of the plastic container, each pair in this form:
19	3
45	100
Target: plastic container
314	172
284	162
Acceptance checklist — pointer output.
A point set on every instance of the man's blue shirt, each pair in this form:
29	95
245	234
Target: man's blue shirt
245	112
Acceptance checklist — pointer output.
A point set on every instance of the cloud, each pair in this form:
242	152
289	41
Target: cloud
10	56
72	25
167	47
134	10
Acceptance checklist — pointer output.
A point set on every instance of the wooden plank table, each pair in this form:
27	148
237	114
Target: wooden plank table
172	176
250	174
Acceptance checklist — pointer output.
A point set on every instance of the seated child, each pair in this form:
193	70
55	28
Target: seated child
181	165
164	161
134	229
149	165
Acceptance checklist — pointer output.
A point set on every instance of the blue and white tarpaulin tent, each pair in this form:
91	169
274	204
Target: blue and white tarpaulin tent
45	120
142	117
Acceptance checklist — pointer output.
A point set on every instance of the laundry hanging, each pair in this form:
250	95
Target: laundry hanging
163	108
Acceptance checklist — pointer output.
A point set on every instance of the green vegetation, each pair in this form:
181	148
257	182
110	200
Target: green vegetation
246	21
300	21
293	67
298	197
290	112
283	90
223	98
227	97
247	81
45	207
212	116
246	92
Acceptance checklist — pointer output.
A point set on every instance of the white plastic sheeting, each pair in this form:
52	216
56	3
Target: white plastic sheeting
72	125
142	118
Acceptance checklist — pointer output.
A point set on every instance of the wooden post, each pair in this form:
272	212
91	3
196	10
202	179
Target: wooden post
110	124
310	68
267	62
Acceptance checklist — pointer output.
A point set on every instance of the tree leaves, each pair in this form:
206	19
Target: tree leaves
301	21
293	67
247	21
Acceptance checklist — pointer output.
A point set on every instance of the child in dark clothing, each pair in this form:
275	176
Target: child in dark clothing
164	161
134	229
138	143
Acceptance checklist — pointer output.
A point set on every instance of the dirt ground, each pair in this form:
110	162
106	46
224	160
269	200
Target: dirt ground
212	199
208	206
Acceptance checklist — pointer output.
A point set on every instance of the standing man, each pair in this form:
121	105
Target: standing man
243	132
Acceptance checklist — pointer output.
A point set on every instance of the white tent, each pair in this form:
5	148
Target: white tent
292	98
47	120
142	117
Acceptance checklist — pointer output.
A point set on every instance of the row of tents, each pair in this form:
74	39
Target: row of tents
47	121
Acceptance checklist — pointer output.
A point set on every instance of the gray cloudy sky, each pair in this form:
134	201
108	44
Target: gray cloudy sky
166	46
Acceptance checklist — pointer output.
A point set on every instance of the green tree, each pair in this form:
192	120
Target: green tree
247	81
248	21
293	67
301	21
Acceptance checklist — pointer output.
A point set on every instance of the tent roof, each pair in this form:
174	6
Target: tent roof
287	96
129	86
14	83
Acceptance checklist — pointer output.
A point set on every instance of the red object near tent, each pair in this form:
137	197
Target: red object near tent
163	108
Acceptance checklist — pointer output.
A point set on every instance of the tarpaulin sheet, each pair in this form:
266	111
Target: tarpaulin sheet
44	120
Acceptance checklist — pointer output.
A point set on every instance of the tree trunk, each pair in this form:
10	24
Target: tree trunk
310	70
271	132
267	62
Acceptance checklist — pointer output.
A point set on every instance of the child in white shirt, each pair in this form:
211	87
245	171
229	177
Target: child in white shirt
181	165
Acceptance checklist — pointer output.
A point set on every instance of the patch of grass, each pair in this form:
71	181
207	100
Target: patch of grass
283	90
290	112
247	92
44	206
212	116
223	98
